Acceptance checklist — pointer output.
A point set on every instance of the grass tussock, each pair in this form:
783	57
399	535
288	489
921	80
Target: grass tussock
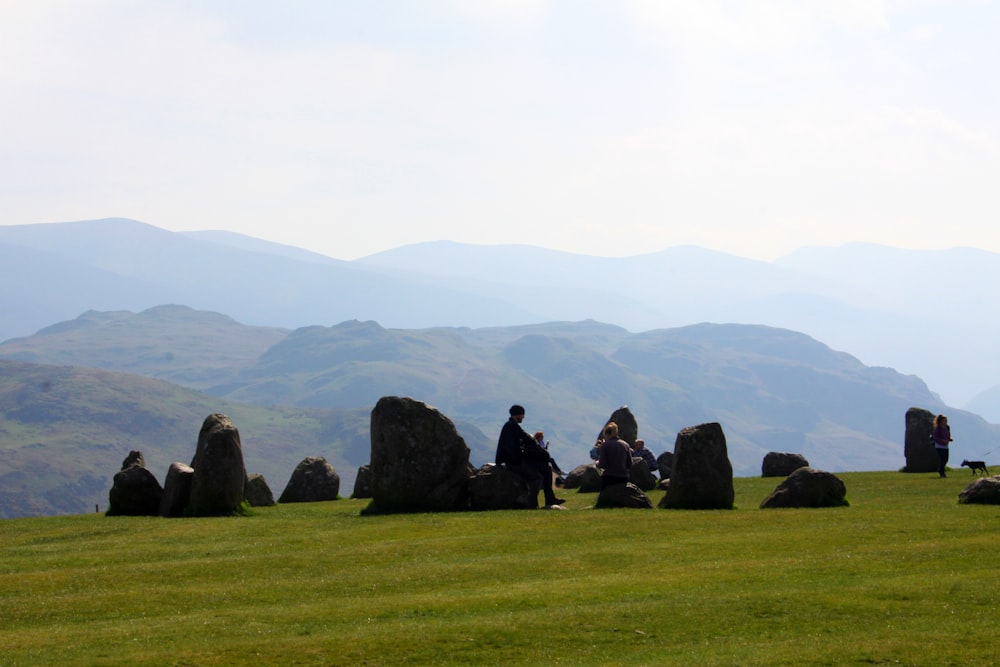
904	575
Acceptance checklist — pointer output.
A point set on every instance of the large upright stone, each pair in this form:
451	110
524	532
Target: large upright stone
917	446
419	462
702	475
313	480
176	490
628	427
219	472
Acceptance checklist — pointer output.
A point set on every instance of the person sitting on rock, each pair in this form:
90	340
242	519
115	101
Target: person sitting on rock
519	452
639	449
615	458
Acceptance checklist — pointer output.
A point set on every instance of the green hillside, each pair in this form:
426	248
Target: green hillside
904	575
771	389
64	432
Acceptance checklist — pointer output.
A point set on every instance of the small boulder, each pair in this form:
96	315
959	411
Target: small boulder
256	491
134	490
983	491
623	495
585	478
640	475
313	480
782	464
808	487
494	487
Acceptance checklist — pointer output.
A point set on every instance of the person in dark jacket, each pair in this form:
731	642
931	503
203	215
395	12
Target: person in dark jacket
639	449
615	459
941	435
520	453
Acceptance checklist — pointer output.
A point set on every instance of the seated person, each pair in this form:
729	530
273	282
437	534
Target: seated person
639	449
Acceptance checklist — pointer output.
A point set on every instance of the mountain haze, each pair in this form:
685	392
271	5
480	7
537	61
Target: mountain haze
926	313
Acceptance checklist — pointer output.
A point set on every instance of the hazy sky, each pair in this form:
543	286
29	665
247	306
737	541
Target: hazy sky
612	127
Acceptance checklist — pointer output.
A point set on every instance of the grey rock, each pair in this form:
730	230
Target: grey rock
419	462
176	490
219	471
702	475
781	464
313	480
808	487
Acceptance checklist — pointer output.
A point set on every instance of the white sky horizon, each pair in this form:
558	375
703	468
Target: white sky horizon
599	127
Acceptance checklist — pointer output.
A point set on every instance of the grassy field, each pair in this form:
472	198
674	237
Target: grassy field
905	575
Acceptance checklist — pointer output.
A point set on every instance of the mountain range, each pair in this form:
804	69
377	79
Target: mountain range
77	396
926	313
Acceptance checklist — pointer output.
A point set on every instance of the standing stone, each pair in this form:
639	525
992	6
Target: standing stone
257	492
314	480
918	448
702	475
176	490
664	462
628	428
219	472
363	483
134	490
808	487
781	464
419	462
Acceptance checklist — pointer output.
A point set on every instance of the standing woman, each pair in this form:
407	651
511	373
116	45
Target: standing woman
941	437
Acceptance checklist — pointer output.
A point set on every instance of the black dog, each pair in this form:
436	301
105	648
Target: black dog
976	465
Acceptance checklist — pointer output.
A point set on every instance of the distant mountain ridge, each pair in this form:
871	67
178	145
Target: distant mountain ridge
929	313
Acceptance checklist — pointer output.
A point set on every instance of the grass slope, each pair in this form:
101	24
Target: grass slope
904	575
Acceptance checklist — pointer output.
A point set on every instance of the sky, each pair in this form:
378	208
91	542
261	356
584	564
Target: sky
601	127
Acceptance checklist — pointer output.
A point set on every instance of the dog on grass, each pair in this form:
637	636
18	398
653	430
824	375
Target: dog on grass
976	465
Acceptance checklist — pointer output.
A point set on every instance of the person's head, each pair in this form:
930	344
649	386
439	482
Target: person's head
539	436
940	420
517	413
639	444
611	430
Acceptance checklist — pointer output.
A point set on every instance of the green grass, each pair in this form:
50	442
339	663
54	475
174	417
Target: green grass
905	575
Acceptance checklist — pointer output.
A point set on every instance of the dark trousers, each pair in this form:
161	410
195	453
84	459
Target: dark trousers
545	470
942	453
531	475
